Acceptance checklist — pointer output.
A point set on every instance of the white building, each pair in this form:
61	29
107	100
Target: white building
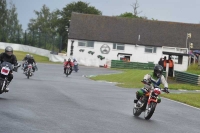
115	38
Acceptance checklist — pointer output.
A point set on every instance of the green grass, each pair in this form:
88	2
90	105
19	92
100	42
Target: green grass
131	78
194	69
41	59
187	98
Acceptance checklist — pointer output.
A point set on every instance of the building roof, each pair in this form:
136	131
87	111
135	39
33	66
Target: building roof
127	31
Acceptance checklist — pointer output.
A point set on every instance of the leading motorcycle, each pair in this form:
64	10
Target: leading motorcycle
148	102
6	69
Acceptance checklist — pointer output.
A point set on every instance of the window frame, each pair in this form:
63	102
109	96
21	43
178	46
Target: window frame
153	49
86	44
115	46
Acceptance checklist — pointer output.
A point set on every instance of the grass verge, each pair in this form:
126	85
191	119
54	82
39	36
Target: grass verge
131	78
187	98
40	59
194	69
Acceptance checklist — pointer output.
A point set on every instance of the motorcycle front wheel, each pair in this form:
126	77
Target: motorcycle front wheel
67	73
136	111
150	110
28	74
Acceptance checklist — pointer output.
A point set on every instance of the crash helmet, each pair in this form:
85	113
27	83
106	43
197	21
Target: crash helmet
69	59
27	55
158	70
9	50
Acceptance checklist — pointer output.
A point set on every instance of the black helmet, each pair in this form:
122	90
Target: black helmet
9	50
69	59
158	70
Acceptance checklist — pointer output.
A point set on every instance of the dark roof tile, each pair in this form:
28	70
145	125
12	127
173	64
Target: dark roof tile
126	30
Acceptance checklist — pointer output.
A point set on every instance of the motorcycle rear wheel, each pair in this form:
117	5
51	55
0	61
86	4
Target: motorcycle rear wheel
150	110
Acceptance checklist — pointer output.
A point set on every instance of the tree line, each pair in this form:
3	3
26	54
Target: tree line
49	29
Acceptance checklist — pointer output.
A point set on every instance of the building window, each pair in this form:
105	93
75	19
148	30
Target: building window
118	46
86	43
81	43
150	49
90	43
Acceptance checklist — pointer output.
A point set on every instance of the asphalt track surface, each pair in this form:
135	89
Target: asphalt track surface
50	102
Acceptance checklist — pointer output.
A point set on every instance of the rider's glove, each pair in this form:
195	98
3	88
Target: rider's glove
166	90
146	81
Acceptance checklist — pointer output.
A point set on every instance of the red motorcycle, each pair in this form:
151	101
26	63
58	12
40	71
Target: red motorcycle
148	102
67	70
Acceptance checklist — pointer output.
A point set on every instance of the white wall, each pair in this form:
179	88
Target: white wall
34	50
138	55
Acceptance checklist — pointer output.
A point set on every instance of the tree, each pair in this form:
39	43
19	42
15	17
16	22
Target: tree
79	7
13	28
129	15
10	29
3	17
43	28
135	8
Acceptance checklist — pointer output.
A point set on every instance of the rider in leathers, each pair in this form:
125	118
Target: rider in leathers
25	60
31	61
155	79
8	56
70	64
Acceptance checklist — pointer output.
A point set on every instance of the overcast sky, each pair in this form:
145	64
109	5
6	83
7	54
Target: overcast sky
186	11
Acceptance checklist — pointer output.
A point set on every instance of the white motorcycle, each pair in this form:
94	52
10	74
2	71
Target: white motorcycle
6	69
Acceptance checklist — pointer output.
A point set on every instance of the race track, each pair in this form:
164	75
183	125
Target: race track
50	102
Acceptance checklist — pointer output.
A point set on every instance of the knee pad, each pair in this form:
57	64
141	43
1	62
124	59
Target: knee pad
159	100
139	93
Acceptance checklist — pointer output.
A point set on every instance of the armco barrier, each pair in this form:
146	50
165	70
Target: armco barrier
131	65
38	51
187	77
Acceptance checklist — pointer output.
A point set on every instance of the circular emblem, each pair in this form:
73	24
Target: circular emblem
105	49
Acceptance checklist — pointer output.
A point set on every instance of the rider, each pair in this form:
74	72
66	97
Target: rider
8	56
25	60
31	61
70	64
156	79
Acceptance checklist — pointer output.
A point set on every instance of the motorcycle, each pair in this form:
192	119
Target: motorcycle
6	69
67	70
29	71
76	67
148	102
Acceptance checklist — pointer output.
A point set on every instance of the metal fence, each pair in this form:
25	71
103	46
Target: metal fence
131	65
187	77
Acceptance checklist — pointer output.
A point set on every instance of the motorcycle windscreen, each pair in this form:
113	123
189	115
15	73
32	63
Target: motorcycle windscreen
7	64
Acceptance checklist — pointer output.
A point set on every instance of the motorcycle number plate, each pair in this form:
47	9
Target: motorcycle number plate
5	71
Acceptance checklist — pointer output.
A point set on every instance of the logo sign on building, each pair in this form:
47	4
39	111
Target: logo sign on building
105	49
